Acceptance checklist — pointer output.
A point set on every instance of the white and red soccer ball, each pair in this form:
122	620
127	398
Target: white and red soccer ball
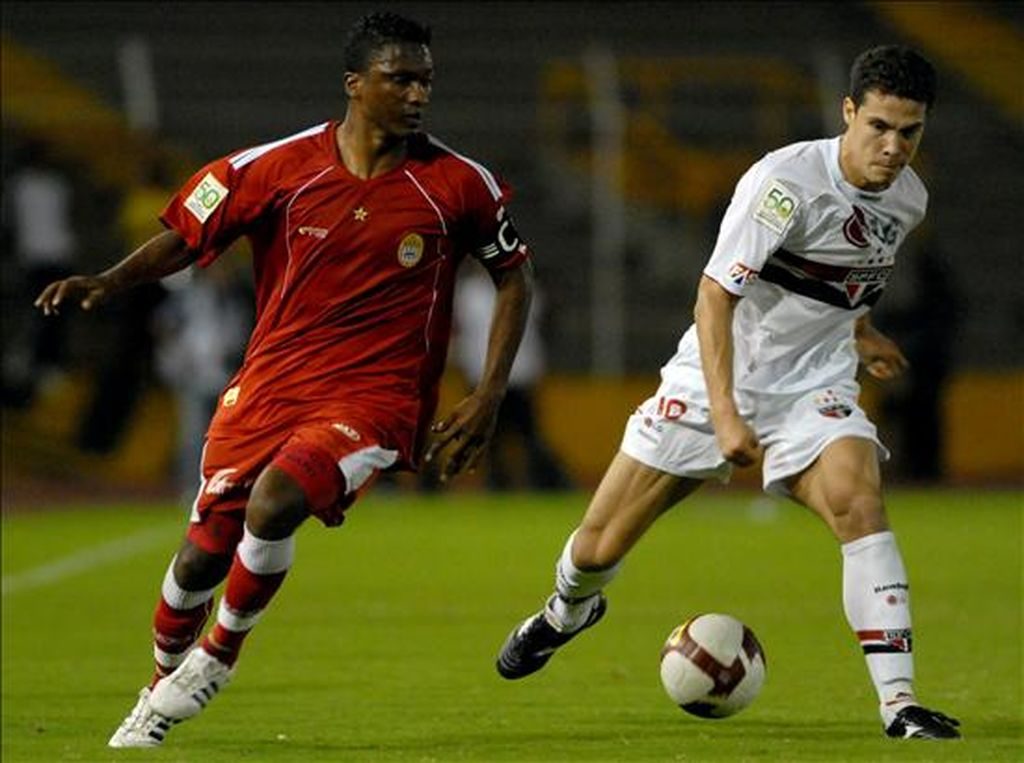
712	666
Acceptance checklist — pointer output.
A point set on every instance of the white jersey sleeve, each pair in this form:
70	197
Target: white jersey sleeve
764	208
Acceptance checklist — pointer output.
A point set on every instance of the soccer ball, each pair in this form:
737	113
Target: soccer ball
712	666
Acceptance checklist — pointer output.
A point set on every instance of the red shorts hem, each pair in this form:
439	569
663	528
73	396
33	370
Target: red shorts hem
218	533
318	475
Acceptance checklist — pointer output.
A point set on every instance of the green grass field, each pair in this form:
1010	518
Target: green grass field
380	646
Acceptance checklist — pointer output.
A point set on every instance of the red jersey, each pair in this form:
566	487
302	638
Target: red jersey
354	278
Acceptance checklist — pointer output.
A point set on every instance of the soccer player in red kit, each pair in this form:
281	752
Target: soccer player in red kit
357	228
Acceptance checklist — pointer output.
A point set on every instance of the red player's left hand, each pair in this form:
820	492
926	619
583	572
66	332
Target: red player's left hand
460	438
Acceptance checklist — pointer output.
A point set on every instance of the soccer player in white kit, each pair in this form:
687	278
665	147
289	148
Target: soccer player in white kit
769	370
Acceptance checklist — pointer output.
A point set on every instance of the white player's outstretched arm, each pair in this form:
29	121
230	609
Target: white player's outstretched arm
713	315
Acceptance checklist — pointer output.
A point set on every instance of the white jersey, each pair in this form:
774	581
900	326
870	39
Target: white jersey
810	253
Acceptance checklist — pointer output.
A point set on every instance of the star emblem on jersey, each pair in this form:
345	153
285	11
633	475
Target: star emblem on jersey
360	213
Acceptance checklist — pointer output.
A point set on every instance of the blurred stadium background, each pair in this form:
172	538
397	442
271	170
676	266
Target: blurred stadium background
623	128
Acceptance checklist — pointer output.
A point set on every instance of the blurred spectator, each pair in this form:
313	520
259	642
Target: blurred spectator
517	437
201	332
39	204
124	370
925	327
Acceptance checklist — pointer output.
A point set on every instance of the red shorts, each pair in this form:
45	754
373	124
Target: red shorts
332	461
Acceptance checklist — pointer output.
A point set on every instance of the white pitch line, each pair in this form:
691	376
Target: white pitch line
87	560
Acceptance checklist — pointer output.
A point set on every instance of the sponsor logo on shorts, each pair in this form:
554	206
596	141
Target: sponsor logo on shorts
649	422
829	404
410	251
206	197
220	482
648	436
671	408
348	431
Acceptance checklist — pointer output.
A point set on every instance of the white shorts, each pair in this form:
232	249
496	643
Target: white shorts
672	431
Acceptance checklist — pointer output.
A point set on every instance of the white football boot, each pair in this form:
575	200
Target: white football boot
144	727
191	686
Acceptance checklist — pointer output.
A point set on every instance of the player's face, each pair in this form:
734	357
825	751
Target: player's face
882	136
394	90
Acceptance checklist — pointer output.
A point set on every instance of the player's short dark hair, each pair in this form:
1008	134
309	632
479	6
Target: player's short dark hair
893	70
375	30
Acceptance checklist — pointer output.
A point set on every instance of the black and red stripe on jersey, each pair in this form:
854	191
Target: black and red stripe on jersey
836	285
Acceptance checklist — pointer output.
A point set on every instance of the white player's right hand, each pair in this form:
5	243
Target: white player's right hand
737	441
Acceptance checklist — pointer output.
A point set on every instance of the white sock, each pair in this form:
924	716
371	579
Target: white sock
876	597
170	649
576	591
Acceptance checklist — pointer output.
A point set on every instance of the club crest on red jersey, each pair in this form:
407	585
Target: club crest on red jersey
410	250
